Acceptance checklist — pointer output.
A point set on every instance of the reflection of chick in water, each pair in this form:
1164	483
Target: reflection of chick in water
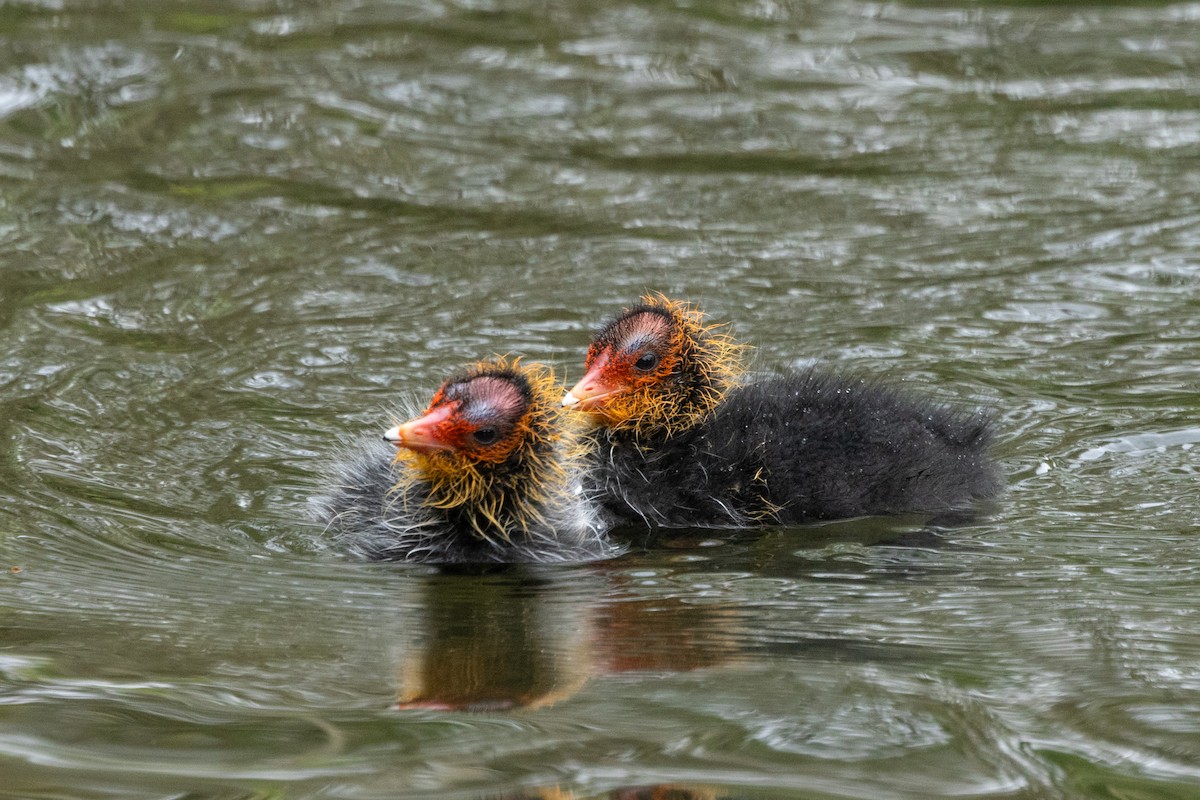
667	792
525	639
658	792
522	640
489	643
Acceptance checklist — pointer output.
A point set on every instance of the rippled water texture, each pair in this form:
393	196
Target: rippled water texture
234	235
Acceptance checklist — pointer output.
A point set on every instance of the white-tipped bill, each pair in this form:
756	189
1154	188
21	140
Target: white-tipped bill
424	434
569	399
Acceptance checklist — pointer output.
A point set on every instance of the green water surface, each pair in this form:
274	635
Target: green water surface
234	235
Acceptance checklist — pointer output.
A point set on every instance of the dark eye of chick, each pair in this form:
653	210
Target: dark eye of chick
646	361
486	435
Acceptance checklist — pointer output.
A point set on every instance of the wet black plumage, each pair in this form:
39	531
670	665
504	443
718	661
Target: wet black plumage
682	441
491	473
805	447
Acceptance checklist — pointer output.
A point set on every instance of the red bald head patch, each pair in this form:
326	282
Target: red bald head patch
476	416
638	348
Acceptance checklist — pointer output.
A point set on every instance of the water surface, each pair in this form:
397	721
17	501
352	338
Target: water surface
233	235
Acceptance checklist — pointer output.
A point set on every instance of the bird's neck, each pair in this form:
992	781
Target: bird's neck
491	502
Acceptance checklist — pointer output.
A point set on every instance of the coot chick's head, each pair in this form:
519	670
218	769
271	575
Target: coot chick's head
491	448
656	369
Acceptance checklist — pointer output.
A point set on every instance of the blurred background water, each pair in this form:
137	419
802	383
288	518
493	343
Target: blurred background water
232	234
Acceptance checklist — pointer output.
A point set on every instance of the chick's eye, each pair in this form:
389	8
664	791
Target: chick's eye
646	361
486	435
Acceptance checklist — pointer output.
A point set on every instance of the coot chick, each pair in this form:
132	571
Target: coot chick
491	472
682	441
